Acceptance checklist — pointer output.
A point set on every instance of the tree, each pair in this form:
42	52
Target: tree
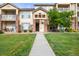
65	17
53	16
57	18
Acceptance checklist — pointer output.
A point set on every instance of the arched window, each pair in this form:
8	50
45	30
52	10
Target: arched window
43	16
39	15
36	16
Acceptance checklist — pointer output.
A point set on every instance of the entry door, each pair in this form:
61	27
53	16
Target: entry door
37	25
41	25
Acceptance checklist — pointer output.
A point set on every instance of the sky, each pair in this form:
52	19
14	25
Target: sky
29	3
39	1
25	5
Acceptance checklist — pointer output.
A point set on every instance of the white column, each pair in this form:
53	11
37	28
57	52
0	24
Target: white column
57	5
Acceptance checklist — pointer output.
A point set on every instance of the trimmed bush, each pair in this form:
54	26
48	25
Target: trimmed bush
1	32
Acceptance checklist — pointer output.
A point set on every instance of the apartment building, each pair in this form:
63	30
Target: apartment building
15	19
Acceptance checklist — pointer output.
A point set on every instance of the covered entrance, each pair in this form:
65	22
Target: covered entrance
40	20
40	25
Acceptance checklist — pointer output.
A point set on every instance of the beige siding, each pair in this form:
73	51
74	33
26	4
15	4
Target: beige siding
30	20
73	8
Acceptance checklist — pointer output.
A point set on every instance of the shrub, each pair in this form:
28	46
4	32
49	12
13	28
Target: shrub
75	30
25	30
1	32
68	30
30	30
72	30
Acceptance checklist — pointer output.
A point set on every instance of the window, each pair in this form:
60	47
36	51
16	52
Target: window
42	22
25	26
36	16
25	15
39	15
43	16
22	16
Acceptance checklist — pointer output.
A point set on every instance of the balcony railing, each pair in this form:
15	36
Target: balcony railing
8	17
63	9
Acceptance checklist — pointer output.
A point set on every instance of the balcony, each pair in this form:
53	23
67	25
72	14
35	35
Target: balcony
63	9
8	18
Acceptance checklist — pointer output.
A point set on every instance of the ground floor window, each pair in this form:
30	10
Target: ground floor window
25	27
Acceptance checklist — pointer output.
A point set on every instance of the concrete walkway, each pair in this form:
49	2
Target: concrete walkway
41	47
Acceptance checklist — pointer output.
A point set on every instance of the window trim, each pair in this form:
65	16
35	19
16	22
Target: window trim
26	15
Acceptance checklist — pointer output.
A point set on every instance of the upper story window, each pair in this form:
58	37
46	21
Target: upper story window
25	15
36	16
43	16
22	16
40	15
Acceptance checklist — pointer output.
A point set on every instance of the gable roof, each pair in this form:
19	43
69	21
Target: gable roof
4	4
40	8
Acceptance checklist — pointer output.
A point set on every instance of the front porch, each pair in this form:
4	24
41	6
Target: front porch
8	26
9	21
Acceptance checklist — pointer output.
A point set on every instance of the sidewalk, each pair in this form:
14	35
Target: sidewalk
41	47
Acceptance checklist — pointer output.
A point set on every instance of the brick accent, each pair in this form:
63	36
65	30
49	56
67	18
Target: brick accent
17	23
75	23
0	23
45	25
34	25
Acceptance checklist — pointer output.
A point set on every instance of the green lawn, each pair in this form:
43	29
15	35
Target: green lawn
16	44
64	44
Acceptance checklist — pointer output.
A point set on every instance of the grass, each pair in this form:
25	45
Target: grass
16	44
64	44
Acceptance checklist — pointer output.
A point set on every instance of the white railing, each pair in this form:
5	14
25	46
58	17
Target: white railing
9	17
63	9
